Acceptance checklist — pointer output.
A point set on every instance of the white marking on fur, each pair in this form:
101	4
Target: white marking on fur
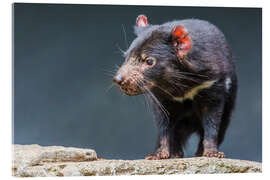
194	91
228	83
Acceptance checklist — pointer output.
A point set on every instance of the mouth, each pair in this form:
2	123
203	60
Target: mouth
130	92
136	90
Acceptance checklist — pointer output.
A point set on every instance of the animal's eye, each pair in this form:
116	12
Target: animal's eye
150	62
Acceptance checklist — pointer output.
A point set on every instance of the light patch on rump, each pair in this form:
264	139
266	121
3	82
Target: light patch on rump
228	83
192	93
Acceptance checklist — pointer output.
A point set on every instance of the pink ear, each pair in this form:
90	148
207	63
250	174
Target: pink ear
141	21
181	40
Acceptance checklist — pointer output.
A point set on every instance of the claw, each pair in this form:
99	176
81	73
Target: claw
152	157
214	154
158	156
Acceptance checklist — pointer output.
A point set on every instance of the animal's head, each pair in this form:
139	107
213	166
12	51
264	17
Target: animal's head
154	58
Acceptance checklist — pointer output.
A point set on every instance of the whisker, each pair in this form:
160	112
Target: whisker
109	73
162	89
149	95
109	88
147	104
162	108
117	67
181	77
125	35
190	73
146	101
175	86
121	50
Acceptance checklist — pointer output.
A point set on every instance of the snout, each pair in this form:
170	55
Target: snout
118	79
127	84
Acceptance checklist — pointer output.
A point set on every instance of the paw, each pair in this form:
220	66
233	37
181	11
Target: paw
178	155
152	157
158	156
163	154
215	154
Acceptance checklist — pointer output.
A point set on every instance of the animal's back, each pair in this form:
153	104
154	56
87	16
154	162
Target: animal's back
209	44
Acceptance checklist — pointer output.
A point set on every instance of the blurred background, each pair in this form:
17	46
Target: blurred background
63	55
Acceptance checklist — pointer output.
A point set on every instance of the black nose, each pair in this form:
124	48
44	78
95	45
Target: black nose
118	78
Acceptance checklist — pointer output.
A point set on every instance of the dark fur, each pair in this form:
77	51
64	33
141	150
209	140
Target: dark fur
209	113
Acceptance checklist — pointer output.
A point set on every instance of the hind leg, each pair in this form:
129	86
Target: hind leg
225	122
216	121
210	151
226	117
212	118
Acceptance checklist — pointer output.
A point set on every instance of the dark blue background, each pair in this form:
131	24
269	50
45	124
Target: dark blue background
62	53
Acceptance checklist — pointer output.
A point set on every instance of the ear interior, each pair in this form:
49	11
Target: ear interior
181	40
141	24
141	21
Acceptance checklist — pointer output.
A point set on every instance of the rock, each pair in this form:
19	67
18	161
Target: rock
34	160
25	156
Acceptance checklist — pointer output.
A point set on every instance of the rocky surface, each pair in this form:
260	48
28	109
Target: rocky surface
35	160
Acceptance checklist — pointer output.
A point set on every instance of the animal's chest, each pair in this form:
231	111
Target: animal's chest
184	116
180	111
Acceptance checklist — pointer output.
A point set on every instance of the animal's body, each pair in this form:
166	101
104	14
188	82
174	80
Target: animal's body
186	70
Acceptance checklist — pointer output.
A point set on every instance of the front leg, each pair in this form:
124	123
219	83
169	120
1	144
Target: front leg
211	123
163	146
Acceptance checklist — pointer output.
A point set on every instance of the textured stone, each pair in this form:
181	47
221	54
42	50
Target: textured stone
34	160
25	156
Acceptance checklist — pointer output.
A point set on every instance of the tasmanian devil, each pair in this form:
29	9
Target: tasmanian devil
186	71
